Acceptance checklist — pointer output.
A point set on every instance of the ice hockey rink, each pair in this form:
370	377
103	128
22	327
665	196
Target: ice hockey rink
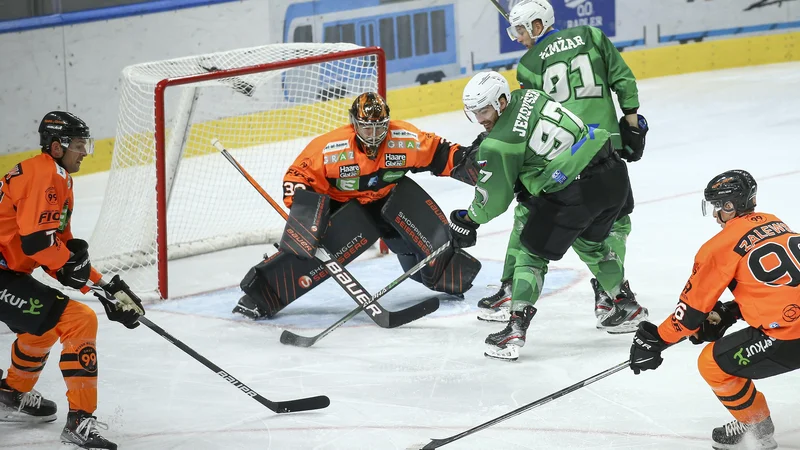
391	388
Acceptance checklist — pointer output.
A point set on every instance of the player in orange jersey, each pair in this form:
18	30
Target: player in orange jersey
36	204
757	257
361	167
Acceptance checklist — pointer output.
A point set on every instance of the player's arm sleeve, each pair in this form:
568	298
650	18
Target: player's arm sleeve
38	221
307	172
499	171
437	155
620	77
701	292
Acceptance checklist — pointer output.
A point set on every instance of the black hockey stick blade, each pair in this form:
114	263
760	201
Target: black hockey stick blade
303	404
437	443
399	318
289	338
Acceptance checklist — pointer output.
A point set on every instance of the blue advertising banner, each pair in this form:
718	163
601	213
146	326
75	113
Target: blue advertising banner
569	13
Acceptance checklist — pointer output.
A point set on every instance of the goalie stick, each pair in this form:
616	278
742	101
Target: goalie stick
302	404
287	337
438	443
381	316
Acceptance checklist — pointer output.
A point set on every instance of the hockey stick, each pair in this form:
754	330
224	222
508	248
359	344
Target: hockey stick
500	9
303	404
287	337
438	443
383	317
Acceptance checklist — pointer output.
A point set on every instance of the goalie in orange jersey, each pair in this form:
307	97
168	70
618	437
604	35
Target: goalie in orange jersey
36	204
757	257
360	169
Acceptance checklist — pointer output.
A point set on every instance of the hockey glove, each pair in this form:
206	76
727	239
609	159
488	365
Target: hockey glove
75	272
646	348
719	319
120	303
633	138
464	231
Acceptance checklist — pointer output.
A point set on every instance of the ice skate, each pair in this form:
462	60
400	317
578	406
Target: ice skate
602	301
496	307
30	406
625	314
734	435
81	431
505	344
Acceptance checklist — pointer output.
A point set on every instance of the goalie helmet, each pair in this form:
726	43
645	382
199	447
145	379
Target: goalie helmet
482	90
370	118
525	12
63	127
735	186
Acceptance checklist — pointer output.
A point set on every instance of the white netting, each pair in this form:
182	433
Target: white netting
264	119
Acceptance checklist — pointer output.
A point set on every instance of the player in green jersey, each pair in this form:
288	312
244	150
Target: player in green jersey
578	67
570	184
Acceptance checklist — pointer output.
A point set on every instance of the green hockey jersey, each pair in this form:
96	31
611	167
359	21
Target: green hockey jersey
579	67
536	141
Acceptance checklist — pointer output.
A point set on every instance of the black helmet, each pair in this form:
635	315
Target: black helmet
735	186
370	117
62	126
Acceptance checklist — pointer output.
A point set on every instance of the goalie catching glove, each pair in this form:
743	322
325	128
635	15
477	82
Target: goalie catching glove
120	303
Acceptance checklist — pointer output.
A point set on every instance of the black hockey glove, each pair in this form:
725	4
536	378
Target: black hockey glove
646	348
464	231
75	272
633	138
465	166
120	303
722	317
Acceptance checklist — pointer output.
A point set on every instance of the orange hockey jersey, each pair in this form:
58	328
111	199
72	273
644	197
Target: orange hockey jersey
36	203
332	163
757	257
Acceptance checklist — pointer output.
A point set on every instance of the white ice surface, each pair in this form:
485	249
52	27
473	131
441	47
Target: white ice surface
393	388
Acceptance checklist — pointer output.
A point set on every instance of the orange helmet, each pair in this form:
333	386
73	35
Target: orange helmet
370	118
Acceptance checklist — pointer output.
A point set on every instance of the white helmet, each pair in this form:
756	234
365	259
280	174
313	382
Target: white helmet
525	12
485	88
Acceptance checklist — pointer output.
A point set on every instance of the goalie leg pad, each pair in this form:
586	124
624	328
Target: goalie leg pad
307	223
282	278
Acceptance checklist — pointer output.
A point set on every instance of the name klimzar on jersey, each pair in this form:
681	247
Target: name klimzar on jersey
524	113
561	45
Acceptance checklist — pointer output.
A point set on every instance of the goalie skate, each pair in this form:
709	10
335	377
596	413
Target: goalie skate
496	307
733	436
505	344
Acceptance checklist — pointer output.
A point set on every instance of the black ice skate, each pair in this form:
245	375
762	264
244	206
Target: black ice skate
248	308
625	314
81	430
602	301
732	436
505	345
496	307
30	406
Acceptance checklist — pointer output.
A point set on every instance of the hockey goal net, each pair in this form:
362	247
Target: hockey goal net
170	195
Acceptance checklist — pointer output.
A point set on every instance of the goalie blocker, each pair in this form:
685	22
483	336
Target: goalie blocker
408	220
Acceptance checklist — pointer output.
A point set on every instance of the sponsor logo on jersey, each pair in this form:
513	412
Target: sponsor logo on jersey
393	175
304	281
51	215
332	158
395	159
349	171
347	184
791	312
373	181
559	177
65	215
15	171
560	45
12	300
60	171
411	145
404	134
336	146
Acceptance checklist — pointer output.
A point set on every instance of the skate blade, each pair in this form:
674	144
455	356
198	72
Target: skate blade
15	416
509	354
749	443
494	315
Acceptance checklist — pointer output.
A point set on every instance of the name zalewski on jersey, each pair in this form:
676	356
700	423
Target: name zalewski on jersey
561	45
